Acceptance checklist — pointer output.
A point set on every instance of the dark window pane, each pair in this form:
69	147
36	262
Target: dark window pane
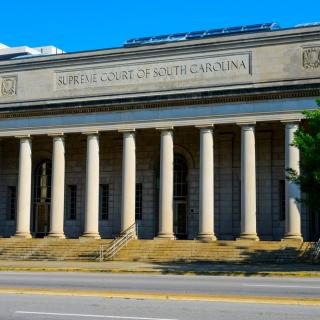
180	176
12	200
104	201
139	201
71	202
282	199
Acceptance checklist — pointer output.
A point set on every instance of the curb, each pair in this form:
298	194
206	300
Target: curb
165	296
173	272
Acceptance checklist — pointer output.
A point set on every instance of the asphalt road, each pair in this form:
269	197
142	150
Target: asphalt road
219	285
29	307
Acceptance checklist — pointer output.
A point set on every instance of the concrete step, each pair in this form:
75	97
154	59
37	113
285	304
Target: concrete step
154	250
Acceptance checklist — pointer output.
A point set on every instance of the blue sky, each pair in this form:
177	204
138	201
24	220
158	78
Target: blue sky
95	24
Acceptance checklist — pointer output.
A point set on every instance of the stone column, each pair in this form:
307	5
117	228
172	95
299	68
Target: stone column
248	183
128	199
292	157
206	188
91	221
57	188
166	186
24	189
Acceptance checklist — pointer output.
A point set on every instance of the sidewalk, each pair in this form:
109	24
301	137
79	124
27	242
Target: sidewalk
192	268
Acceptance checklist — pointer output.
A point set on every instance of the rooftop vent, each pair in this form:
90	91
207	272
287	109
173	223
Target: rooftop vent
26	52
201	34
309	24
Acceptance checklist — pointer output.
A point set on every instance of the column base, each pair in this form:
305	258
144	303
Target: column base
90	236
248	236
165	236
292	237
206	237
56	235
22	235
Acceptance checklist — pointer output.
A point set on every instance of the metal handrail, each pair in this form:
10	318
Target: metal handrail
119	242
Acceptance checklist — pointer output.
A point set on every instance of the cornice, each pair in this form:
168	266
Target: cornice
220	43
201	98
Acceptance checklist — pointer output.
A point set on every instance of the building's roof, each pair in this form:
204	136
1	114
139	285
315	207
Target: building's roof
202	34
7	52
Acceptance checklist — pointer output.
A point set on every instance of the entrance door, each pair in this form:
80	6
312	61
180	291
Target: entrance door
180	219
42	198
43	219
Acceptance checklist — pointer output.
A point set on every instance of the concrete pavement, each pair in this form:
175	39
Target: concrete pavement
174	287
26	307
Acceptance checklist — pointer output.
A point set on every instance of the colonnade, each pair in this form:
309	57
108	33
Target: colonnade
206	185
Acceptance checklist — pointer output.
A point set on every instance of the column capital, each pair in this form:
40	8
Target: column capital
55	134
90	133
248	124
23	136
169	128
291	124
293	121
205	126
133	130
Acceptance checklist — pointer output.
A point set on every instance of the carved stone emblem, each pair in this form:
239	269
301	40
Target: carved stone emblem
311	58
9	86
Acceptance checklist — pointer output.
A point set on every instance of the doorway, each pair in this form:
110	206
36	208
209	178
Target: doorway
42	198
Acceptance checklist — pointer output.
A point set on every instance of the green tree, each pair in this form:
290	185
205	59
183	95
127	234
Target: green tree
307	140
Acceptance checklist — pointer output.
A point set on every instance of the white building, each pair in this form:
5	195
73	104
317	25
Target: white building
186	135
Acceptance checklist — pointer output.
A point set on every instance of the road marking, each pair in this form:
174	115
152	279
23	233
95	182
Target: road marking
87	315
279	286
164	296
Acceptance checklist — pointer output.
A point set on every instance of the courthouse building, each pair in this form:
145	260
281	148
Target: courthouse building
186	135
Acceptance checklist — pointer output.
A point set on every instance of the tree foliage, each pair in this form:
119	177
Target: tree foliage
307	140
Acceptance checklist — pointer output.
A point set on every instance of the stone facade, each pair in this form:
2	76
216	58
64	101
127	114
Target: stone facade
270	170
151	117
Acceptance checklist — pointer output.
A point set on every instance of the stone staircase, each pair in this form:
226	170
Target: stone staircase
217	251
156	250
51	249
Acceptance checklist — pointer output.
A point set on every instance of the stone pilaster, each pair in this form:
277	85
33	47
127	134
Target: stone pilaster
128	199
57	189
206	190
166	185
248	183
24	188
91	224
292	190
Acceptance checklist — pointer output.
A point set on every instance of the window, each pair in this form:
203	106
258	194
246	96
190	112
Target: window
11	206
71	202
282	199
180	186
42	183
139	201
104	201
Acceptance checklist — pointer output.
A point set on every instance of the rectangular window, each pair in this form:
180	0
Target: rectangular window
139	201
12	200
282	199
71	202
104	201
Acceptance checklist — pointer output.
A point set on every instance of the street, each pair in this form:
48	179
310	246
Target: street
213	285
29	307
81	296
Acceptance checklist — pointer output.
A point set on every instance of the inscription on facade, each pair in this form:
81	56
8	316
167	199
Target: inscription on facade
311	58
217	68
8	86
